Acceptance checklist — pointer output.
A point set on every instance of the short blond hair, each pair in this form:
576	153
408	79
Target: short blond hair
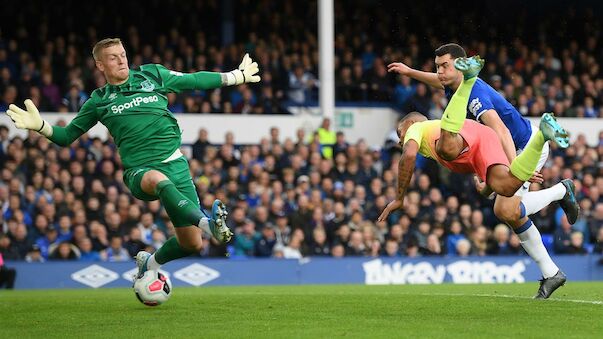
98	48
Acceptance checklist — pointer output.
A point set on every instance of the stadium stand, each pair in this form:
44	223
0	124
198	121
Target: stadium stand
285	198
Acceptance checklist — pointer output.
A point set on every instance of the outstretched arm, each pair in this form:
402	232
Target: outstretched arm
406	168
176	81
63	136
428	78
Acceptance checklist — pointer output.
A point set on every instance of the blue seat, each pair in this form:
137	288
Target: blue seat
589	247
547	239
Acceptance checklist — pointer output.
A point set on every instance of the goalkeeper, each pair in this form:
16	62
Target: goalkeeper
133	107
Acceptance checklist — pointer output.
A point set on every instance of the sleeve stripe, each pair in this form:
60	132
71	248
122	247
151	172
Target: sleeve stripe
479	115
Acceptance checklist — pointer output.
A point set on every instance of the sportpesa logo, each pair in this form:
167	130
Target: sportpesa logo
118	109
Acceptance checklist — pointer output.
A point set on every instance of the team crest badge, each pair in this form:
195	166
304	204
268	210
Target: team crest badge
147	86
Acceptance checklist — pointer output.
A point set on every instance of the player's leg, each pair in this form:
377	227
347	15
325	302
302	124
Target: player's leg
188	240
525	164
450	144
531	241
181	210
507	210
179	198
501	181
182	203
532	202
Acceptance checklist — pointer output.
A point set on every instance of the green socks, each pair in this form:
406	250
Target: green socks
455	113
170	250
524	165
181	210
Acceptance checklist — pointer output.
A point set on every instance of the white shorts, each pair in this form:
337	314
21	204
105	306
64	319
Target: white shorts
543	158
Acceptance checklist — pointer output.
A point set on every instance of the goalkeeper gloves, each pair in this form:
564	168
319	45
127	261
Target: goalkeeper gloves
29	119
247	72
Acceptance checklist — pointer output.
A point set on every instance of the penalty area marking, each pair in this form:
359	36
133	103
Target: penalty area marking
507	296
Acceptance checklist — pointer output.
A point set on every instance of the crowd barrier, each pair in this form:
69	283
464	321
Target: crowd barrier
370	271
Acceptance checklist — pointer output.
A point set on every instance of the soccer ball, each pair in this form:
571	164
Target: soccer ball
153	288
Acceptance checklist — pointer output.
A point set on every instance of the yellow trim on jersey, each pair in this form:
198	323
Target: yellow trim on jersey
424	133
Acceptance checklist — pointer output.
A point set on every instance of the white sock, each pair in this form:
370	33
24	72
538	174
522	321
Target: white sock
535	201
531	241
152	264
204	225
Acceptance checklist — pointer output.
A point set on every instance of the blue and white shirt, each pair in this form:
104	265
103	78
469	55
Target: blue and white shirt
483	97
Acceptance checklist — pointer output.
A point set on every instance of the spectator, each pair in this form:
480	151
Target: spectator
392	248
403	91
49	239
294	249
34	254
463	248
75	98
319	245
64	251
598	249
7	275
245	239
264	246
500	243
327	138
454	237
134	244
20	243
562	240
9	252
420	101
115	252
200	146
356	246
514	247
301	83
576	244
50	91
87	253
433	246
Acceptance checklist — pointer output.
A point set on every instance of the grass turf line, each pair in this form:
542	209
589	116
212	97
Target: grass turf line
308	312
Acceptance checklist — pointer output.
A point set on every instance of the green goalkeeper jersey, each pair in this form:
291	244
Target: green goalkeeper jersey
136	114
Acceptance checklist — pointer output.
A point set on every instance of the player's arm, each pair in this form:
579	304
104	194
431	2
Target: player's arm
406	168
491	119
63	136
177	81
428	78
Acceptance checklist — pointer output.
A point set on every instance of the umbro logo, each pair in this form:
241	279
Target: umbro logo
182	203
112	96
94	276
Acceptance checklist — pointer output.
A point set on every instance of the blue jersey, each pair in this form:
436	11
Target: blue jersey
483	97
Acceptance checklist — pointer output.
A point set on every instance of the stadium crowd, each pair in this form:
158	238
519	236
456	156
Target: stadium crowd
48	61
287	198
291	198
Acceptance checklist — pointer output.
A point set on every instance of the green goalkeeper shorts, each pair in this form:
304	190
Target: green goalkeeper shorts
176	170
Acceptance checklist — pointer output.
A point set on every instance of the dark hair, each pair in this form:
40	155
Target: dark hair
455	50
413	114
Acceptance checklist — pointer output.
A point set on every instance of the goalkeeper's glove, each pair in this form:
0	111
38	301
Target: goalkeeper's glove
247	72
29	119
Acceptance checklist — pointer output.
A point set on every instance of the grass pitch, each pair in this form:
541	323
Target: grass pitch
411	311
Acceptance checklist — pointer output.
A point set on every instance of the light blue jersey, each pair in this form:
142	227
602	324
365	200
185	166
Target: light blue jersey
483	97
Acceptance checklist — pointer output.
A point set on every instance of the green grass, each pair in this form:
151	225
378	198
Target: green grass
415	311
